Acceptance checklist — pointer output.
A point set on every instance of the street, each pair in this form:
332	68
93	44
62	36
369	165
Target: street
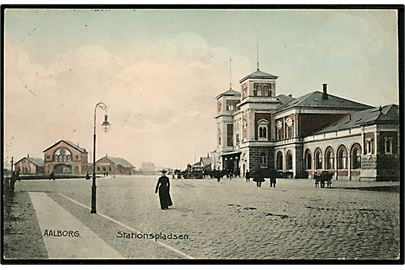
234	219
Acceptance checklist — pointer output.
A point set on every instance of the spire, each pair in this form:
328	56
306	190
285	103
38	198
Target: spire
257	50
230	72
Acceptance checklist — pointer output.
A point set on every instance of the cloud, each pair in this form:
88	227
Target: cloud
161	98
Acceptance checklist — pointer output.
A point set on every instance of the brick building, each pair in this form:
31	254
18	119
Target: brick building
29	166
114	165
260	130
65	157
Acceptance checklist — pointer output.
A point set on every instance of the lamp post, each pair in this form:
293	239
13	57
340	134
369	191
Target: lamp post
106	125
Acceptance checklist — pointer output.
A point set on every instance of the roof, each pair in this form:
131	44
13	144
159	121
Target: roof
120	161
83	150
35	160
388	113
284	99
258	74
314	99
229	92
205	161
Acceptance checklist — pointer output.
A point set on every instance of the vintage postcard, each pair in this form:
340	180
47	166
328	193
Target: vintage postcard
155	133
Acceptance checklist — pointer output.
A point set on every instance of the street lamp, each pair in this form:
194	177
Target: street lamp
106	126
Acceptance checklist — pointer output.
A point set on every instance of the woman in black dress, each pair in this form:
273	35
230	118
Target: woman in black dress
163	185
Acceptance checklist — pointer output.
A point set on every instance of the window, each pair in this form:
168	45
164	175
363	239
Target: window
290	127
289	160
262	129
109	168
342	158
279	130
279	161
263	160
369	146
104	168
388	146
308	161
237	139
330	164
48	157
229	133
98	168
77	157
219	136
255	92
356	157
62	154
318	160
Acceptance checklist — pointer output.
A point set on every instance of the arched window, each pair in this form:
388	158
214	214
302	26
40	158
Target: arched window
279	130
342	157
62	154
279	161
329	159
356	156
289	160
318	159
308	160
290	127
262	129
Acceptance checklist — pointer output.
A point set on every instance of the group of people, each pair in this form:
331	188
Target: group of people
259	179
163	185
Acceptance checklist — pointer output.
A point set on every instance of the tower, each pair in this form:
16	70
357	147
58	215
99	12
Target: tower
257	106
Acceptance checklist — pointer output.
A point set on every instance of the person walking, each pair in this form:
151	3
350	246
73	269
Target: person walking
273	178
258	179
163	186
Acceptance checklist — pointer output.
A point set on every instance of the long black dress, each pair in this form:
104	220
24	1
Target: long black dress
163	185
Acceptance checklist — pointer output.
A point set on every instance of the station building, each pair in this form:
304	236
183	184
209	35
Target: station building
114	165
29	165
258	130
65	157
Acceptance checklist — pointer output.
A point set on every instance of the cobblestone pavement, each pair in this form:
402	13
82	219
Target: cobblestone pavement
234	219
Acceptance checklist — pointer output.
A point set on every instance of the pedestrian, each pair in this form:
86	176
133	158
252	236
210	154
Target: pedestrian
258	179
52	176
163	185
12	182
273	178
247	175
218	176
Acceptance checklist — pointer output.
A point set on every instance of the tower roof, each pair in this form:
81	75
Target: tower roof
258	74
229	92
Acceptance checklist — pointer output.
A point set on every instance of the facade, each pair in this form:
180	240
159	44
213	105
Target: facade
258	130
65	157
29	166
113	165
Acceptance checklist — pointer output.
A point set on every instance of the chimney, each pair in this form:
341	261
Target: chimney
325	91
28	155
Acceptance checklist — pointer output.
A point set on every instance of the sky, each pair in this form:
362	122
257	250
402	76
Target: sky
159	71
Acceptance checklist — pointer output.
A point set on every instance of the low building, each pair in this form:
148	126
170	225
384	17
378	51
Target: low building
114	165
30	166
65	157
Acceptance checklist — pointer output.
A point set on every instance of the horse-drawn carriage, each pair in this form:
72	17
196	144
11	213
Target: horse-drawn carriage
322	178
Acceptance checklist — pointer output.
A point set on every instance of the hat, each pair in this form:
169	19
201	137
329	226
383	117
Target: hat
164	171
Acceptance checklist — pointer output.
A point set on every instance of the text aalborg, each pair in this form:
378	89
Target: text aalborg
151	236
61	233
